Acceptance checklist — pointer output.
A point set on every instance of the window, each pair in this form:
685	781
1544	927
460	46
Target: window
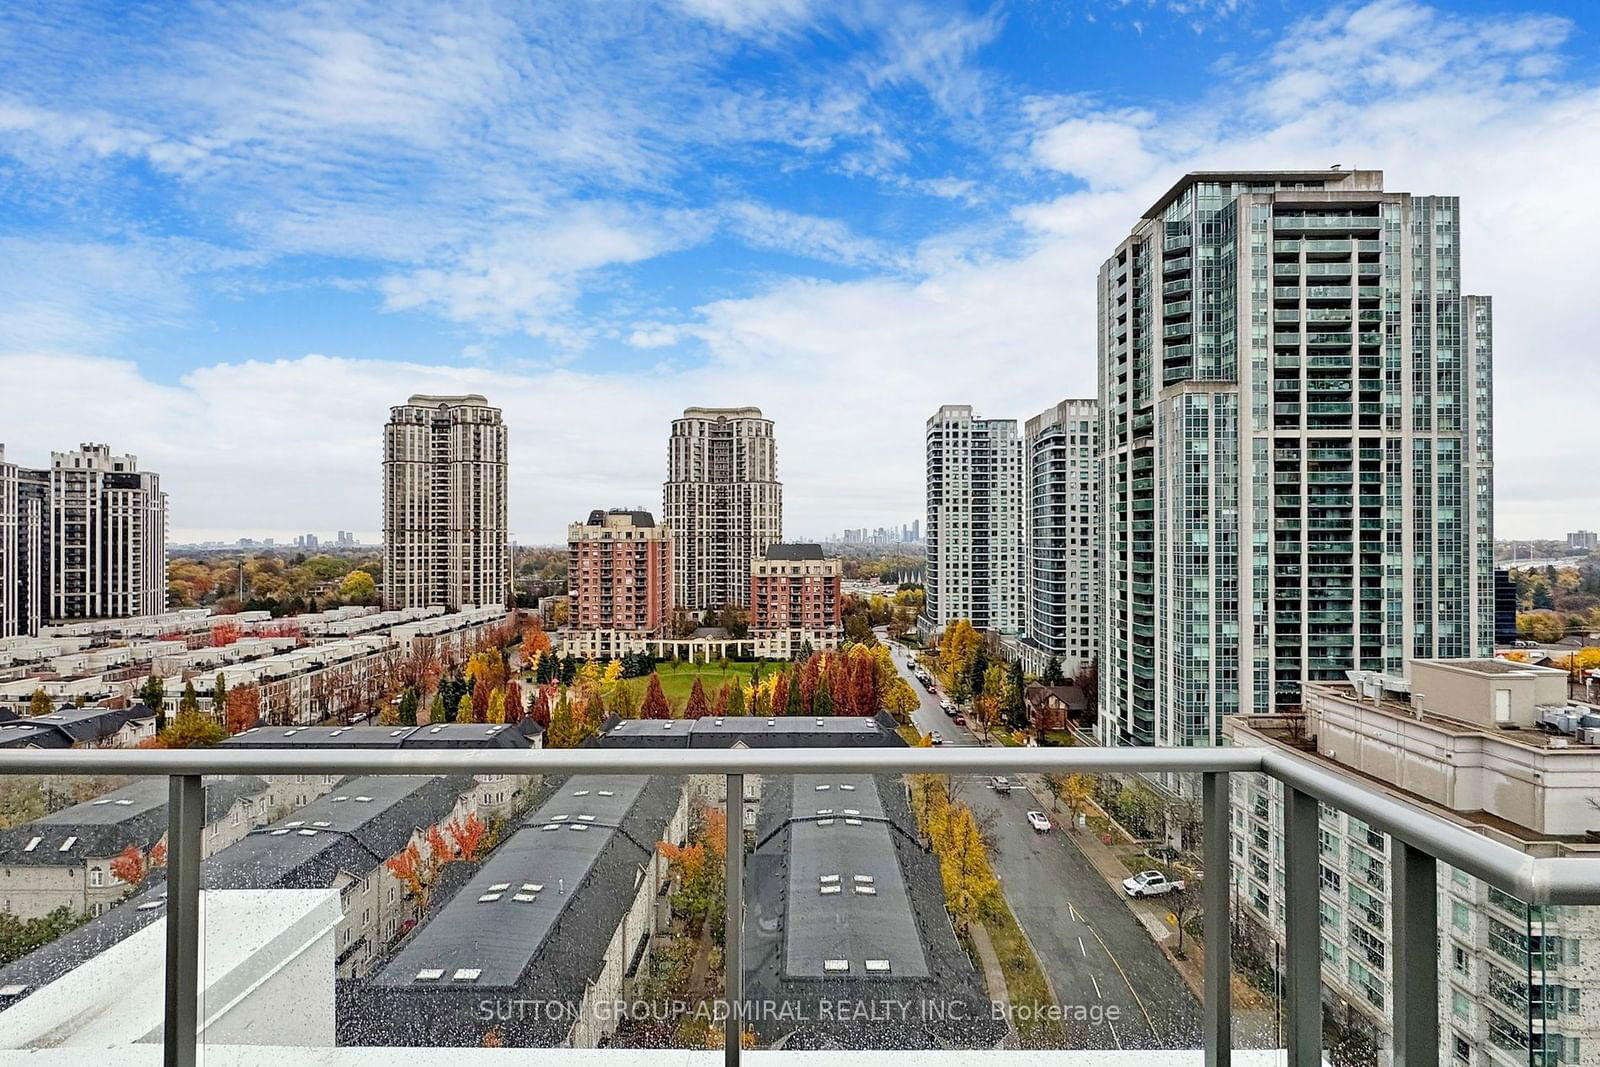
1460	917
1461	960
1460	1049
1460	1004
97	877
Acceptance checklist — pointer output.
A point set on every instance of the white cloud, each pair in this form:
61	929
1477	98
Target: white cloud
485	231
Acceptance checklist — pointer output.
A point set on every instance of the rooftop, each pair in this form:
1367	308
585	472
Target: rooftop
794	551
751	731
435	735
555	890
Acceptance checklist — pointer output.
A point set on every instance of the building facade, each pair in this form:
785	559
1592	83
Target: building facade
445	536
1296	447
975	523
1471	742
722	501
1583	540
796	601
10	576
1061	454
619	583
85	539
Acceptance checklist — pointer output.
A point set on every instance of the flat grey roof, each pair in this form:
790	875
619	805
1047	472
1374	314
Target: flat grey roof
869	917
499	920
1229	176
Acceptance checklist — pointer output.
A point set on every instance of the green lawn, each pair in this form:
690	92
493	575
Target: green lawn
677	679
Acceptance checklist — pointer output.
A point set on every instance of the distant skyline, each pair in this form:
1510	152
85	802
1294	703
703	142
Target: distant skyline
234	235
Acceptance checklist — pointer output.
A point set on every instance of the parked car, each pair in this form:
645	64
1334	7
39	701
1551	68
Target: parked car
1037	820
944	706
937	737
1150	884
1000	784
959	720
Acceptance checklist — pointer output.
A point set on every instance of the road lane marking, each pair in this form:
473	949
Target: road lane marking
1073	912
1114	1036
1136	998
1081	950
1097	992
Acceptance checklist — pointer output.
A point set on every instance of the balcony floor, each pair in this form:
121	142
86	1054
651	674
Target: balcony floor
276	1056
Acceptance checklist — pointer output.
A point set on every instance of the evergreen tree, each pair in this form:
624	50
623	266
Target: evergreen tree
1052	672
548	668
1014	708
219	697
190	701
464	708
569	669
153	694
436	709
698	707
822	699
793	704
980	668
408	707
735	698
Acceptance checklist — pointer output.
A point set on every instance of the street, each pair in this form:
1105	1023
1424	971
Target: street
1099	959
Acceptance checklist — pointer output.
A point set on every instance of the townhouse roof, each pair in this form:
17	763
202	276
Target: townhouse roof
135	814
752	731
440	735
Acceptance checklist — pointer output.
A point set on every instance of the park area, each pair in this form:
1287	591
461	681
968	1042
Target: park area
677	679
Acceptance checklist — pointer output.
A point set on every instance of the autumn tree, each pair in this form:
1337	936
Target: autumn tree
697	707
412	870
535	642
467	837
130	866
514	706
242	708
496	713
358	588
542	700
436	713
464	708
736	704
189	729
1078	791
969	881
655	701
39	703
901	700
699	870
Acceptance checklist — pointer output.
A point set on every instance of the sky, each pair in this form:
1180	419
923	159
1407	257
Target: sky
232	235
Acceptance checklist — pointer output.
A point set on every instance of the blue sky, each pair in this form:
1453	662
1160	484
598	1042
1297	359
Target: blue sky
233	235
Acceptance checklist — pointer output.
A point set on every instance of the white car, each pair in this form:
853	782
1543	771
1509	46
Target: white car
1150	884
944	706
937	737
1037	820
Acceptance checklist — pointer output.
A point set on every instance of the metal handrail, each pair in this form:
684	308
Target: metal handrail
1535	880
1421	840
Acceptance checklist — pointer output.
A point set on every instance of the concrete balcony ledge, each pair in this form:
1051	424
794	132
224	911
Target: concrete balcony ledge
260	1056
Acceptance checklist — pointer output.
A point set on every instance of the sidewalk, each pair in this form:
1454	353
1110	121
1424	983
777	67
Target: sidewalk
1153	916
994	976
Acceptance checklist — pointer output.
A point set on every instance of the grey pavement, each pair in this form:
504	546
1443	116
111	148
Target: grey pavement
1118	989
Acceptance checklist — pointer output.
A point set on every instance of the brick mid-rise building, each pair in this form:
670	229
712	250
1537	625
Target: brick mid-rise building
795	600
619	580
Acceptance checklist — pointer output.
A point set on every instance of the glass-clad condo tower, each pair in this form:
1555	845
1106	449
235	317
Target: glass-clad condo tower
1296	447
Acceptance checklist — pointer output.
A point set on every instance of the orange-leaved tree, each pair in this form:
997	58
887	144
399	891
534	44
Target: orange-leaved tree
698	707
655	701
467	836
129	866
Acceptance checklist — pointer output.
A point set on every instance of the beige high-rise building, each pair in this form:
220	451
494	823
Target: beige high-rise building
445	539
10	578
105	537
722	501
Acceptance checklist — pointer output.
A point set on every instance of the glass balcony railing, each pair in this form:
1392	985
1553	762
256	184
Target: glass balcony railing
599	904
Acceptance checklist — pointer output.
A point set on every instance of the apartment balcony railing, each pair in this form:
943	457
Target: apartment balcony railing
1419	841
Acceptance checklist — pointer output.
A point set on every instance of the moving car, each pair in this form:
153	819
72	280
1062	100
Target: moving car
937	737
1150	884
1037	820
1000	784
